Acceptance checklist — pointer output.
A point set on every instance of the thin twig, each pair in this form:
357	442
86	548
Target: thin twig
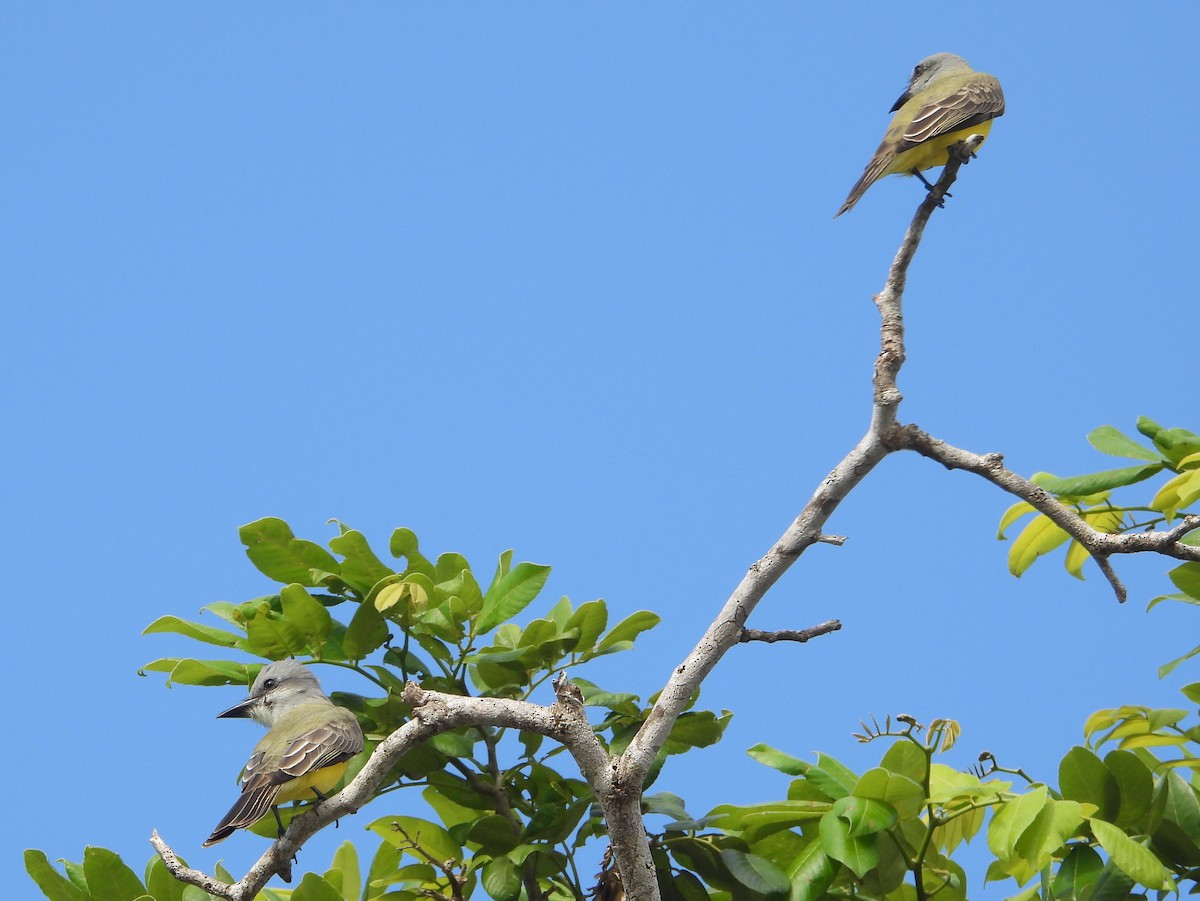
800	635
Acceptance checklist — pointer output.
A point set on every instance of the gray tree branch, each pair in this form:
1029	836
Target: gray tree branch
618	780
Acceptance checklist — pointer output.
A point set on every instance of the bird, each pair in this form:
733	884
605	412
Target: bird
309	742
946	102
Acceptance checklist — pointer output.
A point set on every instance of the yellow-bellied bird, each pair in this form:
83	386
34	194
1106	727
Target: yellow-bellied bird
306	749
946	102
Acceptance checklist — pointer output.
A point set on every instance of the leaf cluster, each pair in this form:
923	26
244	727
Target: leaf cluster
505	815
1115	826
1174	453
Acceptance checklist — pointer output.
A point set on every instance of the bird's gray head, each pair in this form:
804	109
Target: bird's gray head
927	70
279	687
932	66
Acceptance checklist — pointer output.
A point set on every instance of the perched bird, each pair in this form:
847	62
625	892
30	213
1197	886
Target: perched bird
304	753
946	102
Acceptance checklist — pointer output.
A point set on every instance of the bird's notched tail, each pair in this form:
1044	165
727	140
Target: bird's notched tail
251	807
305	751
946	102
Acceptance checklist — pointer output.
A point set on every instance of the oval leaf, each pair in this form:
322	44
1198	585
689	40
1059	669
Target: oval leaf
756	873
1134	859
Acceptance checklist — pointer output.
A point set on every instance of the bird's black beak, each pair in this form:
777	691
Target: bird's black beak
240	709
904	98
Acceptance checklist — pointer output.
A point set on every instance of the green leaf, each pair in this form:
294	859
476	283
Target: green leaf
763	818
779	760
553	823
1166	668
811	873
501	879
688	887
1178	493
1176	444
1012	514
627	630
959	828
906	759
280	555
1135	787
1082	776
313	888
590	619
756	873
308	615
1135	860
198	631
665	804
1111	884
461	584
366	633
1175	847
383	865
1040	537
494	834
833	778
186	671
696	729
1182	806
403	832
455	744
1181	597
860	854
902	793
54	885
1111	441
1079	869
510	594
404	544
1049	831
361	569
865	815
1186	578
274	637
1191	691
344	874
108	877
1012	819
1095	482
160	884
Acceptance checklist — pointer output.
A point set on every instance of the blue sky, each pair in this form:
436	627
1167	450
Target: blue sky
564	278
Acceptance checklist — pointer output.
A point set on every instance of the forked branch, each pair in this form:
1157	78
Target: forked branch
618	780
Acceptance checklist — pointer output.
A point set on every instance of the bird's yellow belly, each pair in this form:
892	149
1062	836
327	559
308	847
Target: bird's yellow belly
301	788
933	152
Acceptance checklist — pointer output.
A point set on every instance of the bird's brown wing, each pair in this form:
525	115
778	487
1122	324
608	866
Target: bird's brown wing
324	746
976	101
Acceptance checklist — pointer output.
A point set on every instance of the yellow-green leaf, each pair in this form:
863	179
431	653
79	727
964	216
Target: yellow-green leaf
1135	860
1039	537
1011	515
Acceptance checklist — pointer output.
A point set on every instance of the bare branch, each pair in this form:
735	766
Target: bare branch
800	635
186	874
726	629
1101	545
618	782
837	540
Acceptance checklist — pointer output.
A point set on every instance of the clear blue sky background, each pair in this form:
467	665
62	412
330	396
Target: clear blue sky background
564	278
